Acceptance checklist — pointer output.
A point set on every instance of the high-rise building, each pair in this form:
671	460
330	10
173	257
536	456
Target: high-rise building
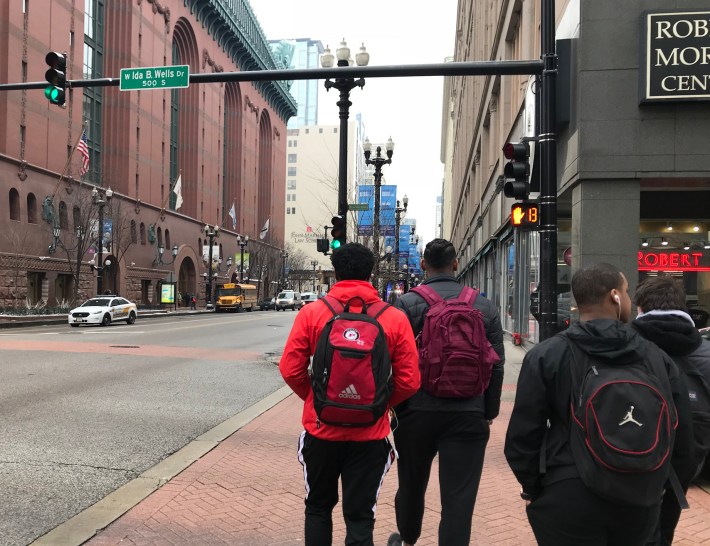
301	53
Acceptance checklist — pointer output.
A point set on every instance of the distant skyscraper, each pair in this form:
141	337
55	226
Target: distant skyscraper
305	54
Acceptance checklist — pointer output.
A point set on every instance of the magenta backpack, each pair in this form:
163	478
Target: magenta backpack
455	357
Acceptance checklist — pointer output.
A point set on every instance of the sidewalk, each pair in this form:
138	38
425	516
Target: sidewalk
249	490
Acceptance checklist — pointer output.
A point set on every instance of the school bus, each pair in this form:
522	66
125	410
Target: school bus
236	297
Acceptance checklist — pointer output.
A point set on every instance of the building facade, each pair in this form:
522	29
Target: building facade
633	178
301	53
225	144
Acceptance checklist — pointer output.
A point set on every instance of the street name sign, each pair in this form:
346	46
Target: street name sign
359	206
155	77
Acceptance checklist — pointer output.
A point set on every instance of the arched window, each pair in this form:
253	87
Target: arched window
76	214
134	234
14	205
142	233
160	237
31	208
168	246
63	215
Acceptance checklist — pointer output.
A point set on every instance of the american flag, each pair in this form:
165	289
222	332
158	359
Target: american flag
84	150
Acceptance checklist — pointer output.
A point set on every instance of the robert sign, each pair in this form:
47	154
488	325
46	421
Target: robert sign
676	56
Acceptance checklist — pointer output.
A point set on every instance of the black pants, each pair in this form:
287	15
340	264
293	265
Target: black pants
460	439
361	466
568	513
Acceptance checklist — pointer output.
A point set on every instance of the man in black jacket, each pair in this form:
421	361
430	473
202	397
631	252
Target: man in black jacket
455	428
663	319
561	509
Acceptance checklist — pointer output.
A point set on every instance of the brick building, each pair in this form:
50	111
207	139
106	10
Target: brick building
225	142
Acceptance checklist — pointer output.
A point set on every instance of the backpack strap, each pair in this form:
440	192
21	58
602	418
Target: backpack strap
427	293
468	295
329	306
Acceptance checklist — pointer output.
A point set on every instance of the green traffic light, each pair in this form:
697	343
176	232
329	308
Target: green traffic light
54	94
335	244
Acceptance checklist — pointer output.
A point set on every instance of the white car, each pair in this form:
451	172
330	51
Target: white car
103	310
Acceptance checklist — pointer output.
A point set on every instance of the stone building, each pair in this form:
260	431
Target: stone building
224	142
633	149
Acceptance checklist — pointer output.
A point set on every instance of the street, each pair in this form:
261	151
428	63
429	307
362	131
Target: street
87	409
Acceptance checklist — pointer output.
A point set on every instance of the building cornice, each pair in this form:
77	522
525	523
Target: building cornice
234	27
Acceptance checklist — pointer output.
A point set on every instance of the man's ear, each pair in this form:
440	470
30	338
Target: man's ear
455	265
422	264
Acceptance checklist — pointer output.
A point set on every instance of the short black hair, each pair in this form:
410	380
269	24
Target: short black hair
353	262
439	253
661	292
591	284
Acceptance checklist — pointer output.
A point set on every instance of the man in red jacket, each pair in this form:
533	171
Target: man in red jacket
360	456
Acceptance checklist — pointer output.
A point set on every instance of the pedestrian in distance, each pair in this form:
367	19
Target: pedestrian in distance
364	361
193	302
599	413
663	318
445	418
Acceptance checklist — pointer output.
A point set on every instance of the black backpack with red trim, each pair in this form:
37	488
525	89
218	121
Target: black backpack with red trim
351	371
622	426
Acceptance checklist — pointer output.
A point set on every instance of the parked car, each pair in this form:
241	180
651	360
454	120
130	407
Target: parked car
267	304
288	299
309	297
103	310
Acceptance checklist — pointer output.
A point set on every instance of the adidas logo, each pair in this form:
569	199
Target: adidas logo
349	392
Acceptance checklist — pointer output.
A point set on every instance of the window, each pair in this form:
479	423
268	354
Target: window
295	143
134	234
160	236
63	218
288	210
31	208
167	239
288	197
76	214
291	158
290	143
293	196
142	233
293	210
14	205
291	171
320	130
307	130
291	185
335	129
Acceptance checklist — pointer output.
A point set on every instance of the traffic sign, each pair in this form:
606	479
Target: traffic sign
359	206
525	216
155	77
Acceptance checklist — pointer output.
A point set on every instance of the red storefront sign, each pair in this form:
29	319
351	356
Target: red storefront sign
673	261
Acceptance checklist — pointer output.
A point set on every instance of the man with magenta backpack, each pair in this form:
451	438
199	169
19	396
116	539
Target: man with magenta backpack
461	357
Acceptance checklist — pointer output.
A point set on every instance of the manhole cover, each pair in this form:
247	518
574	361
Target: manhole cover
124	346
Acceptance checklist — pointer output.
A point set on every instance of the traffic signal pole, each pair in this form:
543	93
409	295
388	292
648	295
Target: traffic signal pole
547	143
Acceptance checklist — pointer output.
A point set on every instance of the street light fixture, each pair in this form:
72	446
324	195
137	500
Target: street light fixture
212	233
378	162
314	263
161	251
344	85
101	199
398	211
242	242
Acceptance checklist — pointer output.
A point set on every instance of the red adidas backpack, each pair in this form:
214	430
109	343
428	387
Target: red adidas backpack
455	357
351	372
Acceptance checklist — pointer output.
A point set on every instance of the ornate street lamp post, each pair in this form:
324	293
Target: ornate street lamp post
242	242
314	263
344	85
212	233
378	161
398	211
101	199
284	255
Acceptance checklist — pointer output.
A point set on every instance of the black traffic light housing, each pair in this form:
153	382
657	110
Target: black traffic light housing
337	232
322	245
56	77
517	170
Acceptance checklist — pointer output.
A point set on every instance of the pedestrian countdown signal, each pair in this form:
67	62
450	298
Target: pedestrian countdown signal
525	216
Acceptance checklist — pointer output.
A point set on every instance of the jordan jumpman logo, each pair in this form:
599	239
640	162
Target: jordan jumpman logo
629	418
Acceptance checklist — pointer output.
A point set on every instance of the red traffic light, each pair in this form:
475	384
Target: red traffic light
517	151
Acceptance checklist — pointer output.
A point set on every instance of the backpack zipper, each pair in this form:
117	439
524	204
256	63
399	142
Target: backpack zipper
581	388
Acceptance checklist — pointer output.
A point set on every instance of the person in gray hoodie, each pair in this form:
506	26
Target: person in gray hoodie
663	318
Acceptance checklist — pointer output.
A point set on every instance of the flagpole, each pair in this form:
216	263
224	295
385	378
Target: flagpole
167	198
68	163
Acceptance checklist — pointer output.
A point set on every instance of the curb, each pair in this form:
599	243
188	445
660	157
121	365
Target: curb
21	322
87	523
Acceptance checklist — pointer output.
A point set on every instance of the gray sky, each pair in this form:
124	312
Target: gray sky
407	109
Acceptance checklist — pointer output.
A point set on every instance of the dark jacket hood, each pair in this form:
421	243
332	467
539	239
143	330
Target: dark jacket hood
672	333
606	339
